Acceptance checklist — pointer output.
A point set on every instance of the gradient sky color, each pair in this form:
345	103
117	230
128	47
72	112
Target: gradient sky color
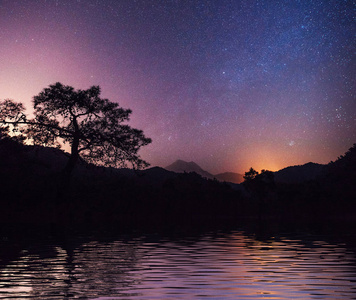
228	84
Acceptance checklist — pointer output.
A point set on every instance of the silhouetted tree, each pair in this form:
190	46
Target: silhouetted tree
91	125
11	115
260	185
267	177
251	174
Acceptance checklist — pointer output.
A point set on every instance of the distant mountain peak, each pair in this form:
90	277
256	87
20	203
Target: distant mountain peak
181	166
186	163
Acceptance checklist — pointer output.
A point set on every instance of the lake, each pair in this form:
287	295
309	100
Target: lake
213	265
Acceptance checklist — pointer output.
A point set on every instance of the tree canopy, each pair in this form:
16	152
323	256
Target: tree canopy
259	183
251	174
94	127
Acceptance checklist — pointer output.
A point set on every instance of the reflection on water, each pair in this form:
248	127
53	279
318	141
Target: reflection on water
215	266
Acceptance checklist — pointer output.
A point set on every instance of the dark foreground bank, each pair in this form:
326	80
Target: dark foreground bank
31	192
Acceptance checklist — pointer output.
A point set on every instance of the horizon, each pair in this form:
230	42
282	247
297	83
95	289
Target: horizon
230	171
241	173
226	84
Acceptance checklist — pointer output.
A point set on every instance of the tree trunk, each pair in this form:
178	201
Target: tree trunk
69	167
73	159
64	180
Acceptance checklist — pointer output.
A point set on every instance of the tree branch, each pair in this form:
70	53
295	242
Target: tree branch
37	124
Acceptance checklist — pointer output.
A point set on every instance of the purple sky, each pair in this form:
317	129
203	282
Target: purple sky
228	84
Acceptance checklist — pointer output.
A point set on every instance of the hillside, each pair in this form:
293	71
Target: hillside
298	174
123	198
230	177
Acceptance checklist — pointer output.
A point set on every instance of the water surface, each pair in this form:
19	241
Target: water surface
230	265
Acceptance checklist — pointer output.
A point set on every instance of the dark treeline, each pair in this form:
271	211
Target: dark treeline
156	198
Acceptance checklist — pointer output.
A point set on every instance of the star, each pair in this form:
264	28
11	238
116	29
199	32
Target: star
258	76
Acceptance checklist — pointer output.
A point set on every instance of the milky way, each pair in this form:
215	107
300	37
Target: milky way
227	84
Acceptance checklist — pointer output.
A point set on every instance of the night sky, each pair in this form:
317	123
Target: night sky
227	84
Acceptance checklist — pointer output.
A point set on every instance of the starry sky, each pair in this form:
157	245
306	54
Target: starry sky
229	84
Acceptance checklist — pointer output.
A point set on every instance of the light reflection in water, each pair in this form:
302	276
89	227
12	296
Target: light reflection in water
225	266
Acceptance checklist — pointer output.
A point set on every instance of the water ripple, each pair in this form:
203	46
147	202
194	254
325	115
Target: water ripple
225	266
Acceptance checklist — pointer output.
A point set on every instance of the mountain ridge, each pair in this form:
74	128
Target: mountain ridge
48	160
291	174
